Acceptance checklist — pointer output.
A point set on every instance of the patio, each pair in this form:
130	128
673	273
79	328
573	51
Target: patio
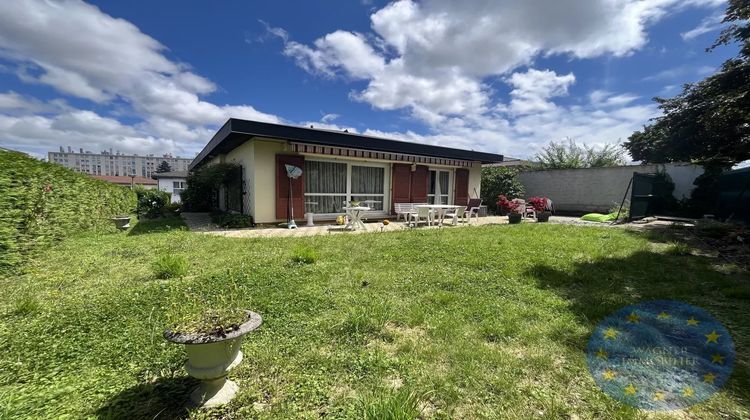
201	222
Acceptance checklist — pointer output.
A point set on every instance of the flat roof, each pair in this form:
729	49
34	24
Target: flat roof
170	174
235	132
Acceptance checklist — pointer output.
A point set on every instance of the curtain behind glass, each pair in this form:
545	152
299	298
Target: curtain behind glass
367	180
324	178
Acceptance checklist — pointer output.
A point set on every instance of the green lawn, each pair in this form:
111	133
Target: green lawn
479	322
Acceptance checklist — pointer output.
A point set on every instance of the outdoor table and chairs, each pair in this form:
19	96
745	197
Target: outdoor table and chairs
354	217
434	212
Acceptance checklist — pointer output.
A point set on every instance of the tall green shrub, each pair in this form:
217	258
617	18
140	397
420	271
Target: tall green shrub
203	185
500	180
42	202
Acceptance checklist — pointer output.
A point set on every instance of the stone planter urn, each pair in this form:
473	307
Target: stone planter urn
121	222
514	218
543	216
211	357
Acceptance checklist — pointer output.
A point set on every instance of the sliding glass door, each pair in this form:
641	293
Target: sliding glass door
328	185
325	186
438	186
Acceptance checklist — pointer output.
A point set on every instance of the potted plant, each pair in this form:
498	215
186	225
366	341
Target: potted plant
541	208
512	208
213	345
121	221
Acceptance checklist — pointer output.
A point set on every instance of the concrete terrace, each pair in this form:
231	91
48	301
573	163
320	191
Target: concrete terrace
201	222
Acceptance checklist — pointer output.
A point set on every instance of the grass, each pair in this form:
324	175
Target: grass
477	322
170	266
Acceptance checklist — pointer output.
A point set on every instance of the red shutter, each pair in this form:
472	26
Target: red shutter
282	187
462	187
400	184
419	179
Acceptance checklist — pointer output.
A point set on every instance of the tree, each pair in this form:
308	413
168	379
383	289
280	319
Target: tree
709	122
163	167
572	156
498	180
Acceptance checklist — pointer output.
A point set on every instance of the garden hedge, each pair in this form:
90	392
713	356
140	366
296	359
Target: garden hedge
41	203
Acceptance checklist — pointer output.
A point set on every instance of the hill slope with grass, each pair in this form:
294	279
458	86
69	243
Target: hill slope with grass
41	203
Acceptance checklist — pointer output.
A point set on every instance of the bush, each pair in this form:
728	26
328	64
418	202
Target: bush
498	181
170	266
232	220
203	185
304	255
41	203
151	202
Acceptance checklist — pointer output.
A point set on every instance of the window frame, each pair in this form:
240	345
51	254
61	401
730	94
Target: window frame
348	195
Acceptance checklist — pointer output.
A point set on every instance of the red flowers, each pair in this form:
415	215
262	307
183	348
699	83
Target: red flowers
539	203
509	206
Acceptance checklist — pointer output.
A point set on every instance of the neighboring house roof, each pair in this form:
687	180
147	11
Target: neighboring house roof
171	174
126	180
235	132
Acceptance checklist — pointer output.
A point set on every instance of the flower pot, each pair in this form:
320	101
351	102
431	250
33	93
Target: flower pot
514	218
543	216
121	222
210	358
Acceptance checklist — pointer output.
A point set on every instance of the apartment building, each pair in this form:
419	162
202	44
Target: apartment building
109	163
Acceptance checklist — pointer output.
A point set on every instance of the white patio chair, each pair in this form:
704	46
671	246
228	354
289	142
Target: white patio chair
420	215
402	210
473	208
454	214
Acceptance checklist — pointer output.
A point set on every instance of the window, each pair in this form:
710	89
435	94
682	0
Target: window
367	186
328	185
438	188
178	187
325	186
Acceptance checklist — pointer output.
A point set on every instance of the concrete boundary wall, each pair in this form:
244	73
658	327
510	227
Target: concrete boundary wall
598	189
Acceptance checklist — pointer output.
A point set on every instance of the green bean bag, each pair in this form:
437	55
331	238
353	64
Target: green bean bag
598	217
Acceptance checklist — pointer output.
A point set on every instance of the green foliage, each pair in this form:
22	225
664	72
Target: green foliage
570	155
212	322
152	202
232	220
304	255
163	167
499	180
170	266
395	405
709	121
40	203
26	304
203	185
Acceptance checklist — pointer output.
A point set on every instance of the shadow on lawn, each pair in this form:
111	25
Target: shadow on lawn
596	289
164	399
163	224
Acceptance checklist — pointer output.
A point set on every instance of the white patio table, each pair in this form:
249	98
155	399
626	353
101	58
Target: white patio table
354	215
440	209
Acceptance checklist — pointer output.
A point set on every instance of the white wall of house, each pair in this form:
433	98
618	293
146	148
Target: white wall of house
599	189
174	186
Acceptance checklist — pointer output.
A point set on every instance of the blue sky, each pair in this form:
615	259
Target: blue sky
491	75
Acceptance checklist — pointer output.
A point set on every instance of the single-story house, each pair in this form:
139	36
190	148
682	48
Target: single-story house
172	182
127	181
337	167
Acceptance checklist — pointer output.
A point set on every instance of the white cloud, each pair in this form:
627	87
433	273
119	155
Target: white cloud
533	90
434	57
709	24
80	51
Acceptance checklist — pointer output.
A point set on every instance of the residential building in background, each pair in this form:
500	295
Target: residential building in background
172	182
109	163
